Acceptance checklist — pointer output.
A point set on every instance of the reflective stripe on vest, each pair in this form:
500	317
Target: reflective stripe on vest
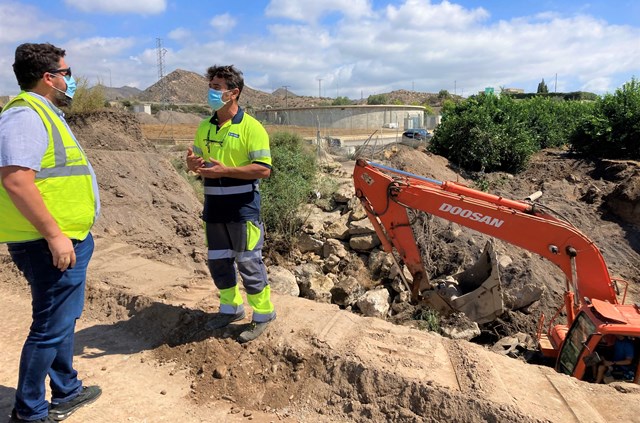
237	189
59	154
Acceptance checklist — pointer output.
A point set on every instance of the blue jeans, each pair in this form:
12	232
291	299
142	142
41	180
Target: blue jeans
57	299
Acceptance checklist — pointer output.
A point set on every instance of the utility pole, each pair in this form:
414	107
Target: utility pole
319	88
161	52
555	86
455	87
286	96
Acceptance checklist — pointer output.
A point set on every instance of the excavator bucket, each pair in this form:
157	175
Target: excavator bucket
475	291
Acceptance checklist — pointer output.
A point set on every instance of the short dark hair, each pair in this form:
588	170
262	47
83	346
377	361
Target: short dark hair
33	60
231	75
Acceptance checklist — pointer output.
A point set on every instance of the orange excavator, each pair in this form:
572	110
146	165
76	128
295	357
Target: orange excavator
594	316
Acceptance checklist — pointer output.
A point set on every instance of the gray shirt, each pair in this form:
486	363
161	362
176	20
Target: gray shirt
24	140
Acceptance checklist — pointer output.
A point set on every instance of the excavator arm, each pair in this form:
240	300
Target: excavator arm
387	193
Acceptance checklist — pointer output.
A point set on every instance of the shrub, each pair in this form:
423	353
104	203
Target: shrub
489	133
484	133
427	319
87	99
290	186
377	99
613	129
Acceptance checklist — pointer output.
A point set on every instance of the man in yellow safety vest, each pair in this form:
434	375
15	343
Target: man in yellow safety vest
48	204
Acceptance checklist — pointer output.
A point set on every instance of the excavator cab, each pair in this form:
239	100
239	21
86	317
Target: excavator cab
595	343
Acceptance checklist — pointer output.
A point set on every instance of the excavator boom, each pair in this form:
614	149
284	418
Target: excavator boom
387	193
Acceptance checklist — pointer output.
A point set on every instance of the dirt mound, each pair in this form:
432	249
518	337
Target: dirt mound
144	201
176	118
109	129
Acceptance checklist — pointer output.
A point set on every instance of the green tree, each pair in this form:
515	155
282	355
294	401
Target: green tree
484	133
542	87
428	110
444	94
377	99
341	101
613	129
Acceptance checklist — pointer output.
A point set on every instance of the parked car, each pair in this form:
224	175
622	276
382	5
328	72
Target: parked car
416	134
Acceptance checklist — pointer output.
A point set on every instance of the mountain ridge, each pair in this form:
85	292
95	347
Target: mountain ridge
186	87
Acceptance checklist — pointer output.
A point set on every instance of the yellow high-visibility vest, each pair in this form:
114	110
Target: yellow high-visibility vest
64	181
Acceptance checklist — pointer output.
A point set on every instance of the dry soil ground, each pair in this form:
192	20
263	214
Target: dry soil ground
142	334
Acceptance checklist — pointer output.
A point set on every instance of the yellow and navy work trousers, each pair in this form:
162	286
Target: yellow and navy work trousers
237	248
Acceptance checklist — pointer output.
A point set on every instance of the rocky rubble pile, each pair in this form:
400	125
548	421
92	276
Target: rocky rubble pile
339	260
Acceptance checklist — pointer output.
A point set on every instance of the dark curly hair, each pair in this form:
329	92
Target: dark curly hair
33	60
231	75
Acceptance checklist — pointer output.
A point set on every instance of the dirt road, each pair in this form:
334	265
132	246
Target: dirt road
141	338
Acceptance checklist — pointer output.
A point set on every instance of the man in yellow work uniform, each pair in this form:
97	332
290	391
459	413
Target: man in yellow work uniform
231	152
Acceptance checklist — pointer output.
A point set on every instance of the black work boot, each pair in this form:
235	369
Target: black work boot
15	419
222	320
254	330
88	395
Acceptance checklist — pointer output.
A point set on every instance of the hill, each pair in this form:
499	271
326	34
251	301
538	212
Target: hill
122	93
186	87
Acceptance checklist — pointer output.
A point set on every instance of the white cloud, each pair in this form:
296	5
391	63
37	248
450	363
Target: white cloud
144	7
223	23
311	11
179	34
16	30
416	44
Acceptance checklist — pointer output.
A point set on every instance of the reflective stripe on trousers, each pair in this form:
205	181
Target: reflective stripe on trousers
237	248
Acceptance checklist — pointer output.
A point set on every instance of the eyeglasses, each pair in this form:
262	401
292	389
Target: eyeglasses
209	141
63	72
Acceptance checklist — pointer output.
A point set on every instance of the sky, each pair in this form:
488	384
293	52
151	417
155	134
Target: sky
338	48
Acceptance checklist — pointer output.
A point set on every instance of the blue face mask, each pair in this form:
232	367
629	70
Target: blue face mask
71	86
215	99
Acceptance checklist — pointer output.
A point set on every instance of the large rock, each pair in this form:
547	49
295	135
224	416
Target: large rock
337	227
283	281
317	287
375	303
364	242
361	227
334	247
347	291
313	283
309	243
313	218
343	194
357	211
459	326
